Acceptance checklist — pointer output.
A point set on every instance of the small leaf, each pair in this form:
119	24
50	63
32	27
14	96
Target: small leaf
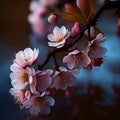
68	16
86	6
75	11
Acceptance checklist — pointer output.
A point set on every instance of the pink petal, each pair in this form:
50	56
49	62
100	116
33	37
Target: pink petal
43	82
67	58
74	52
71	64
27	94
34	111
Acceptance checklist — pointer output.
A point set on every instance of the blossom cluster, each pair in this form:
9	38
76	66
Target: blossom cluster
31	87
32	84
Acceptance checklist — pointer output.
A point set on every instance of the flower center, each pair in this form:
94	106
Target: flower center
24	78
59	37
27	57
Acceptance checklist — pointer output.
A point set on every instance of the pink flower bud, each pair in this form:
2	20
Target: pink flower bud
76	29
53	18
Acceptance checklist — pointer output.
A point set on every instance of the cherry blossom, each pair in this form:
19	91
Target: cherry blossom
95	50
20	95
58	37
26	57
63	79
77	59
38	104
33	82
22	78
43	80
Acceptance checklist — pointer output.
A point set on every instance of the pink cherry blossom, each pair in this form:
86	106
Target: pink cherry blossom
43	80
59	37
77	59
63	79
95	49
20	95
26	57
22	77
38	105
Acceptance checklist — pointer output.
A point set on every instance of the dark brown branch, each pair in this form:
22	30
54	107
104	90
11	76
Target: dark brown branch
56	66
92	20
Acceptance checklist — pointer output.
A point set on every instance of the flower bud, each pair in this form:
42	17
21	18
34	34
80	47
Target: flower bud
76	29
52	18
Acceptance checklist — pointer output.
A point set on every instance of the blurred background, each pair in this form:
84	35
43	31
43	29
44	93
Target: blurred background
15	34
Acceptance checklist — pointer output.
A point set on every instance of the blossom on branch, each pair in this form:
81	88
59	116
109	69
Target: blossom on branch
63	79
59	37
43	80
95	50
38	104
30	86
77	59
26	57
20	95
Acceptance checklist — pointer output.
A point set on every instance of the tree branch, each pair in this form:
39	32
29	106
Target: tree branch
92	20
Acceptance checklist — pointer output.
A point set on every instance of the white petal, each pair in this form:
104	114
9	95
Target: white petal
54	44
28	51
50	101
35	54
74	52
51	37
16	68
18	85
99	36
14	76
56	30
60	46
13	91
63	30
62	68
